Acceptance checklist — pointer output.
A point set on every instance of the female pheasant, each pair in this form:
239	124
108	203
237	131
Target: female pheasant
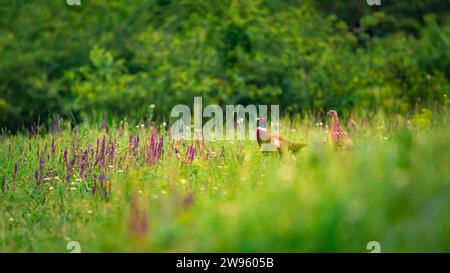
272	141
338	137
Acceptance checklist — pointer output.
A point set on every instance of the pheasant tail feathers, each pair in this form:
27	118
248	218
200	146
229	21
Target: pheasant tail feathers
295	147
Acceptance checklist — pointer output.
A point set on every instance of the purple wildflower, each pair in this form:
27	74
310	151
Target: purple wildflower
102	150
193	153
41	164
53	146
72	162
85	155
111	150
131	139
152	146
82	168
190	153
94	184
136	142
68	174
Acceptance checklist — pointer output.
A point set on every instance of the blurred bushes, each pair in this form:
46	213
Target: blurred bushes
119	57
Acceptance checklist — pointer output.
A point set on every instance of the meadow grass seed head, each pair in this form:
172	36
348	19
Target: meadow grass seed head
14	176
67	174
53	146
82	168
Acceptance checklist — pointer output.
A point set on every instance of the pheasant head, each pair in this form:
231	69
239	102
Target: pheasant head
261	122
261	125
334	118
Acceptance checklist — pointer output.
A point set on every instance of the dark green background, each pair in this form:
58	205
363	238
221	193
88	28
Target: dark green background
120	56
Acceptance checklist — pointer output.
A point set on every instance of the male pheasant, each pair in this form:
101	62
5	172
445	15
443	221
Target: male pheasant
337	135
273	141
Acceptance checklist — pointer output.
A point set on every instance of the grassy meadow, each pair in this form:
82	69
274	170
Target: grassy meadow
128	188
80	172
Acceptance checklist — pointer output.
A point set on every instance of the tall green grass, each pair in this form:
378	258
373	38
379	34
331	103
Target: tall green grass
393	187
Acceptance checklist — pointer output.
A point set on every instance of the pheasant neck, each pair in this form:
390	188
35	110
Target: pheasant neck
260	129
335	122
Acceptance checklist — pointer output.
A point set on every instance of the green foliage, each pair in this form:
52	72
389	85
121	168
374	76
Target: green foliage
119	57
390	17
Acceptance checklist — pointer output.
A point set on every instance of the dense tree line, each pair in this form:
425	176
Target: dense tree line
121	56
